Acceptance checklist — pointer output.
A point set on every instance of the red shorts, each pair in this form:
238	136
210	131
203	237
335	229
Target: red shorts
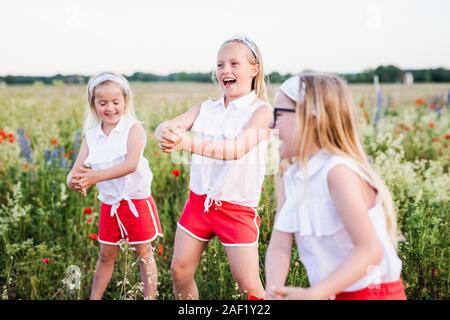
235	225
126	226
384	291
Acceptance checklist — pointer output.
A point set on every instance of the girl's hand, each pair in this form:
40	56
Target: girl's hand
171	138
85	178
292	293
74	185
78	188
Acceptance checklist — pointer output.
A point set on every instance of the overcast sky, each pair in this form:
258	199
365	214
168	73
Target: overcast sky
87	36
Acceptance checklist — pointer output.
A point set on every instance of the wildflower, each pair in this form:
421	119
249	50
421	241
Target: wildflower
434	272
45	260
366	115
176	172
89	220
87	210
431	125
25	148
12	140
72	280
160	249
420	102
435	139
54	141
447	136
93	236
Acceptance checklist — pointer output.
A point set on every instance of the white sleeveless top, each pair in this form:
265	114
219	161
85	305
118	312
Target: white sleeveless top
108	151
236	181
322	240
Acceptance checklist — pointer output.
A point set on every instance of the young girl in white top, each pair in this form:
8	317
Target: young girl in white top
111	156
227	171
334	204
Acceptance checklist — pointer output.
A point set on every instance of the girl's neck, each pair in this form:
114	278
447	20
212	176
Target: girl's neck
107	128
227	99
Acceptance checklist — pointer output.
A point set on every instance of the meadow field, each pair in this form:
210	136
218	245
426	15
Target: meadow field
48	246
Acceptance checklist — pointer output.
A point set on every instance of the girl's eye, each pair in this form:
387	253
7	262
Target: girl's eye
234	63
219	65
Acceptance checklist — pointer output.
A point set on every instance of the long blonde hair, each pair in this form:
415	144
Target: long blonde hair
91	118
326	116
254	58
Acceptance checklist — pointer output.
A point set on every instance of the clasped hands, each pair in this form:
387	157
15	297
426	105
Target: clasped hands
82	179
173	138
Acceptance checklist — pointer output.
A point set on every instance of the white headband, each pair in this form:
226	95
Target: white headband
248	43
120	80
296	90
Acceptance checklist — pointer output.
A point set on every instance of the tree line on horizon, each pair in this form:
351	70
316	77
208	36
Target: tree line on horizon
386	74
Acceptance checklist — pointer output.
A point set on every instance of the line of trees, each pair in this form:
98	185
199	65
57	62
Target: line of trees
386	74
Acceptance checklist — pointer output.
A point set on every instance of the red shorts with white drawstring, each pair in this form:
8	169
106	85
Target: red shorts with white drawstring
384	291
235	225
126	226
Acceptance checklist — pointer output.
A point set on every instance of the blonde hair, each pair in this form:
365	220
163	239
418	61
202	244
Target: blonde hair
326	116
254	58
91	118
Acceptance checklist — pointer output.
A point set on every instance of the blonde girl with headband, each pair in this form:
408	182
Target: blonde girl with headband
335	205
111	157
227	170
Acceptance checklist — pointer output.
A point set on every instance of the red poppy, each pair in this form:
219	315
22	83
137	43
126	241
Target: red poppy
176	172
251	297
361	104
434	272
1	139
160	250
45	260
447	136
54	141
431	125
420	102
11	135
434	139
12	140
93	236
89	220
87	210
66	155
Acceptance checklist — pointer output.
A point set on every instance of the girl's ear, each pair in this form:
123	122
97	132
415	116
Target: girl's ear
255	70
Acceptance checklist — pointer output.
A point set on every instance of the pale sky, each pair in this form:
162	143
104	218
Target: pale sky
44	37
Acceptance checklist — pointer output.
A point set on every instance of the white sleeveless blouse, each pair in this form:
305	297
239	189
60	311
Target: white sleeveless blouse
235	181
322	240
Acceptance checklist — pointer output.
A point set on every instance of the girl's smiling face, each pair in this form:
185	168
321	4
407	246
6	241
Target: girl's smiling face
110	103
234	71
